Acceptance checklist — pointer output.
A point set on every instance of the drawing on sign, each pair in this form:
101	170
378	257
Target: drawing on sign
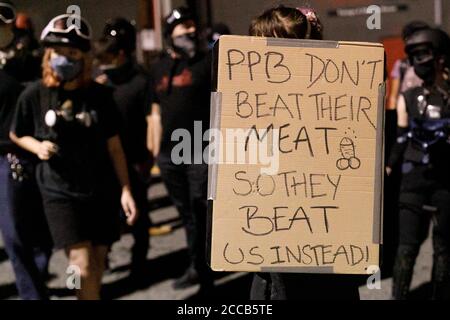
349	159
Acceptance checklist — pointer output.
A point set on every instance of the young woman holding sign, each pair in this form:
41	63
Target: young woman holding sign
296	23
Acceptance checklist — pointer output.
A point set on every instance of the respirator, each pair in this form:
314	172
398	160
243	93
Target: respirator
66	114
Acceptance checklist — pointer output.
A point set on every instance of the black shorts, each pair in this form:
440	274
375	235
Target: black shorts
72	221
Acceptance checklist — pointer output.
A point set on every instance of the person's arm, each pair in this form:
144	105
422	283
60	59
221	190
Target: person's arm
120	166
43	149
402	114
22	128
154	130
402	128
393	96
395	82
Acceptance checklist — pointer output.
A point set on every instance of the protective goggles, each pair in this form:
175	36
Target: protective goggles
66	23
7	13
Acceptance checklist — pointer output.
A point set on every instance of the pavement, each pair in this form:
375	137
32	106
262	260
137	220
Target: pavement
167	259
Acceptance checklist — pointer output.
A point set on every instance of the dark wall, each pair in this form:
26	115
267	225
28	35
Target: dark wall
238	14
95	11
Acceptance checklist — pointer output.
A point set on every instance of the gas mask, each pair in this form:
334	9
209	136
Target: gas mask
6	36
66	69
66	114
186	45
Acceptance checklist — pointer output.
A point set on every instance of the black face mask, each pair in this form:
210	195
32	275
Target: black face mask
186	45
426	71
117	73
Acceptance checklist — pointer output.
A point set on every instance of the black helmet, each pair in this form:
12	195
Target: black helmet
435	39
67	30
176	17
7	12
412	27
123	31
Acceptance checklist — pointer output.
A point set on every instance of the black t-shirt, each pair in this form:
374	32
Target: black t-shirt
82	167
182	88
132	95
9	92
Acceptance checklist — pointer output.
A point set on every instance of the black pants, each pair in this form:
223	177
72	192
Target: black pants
286	286
140	228
187	185
422	200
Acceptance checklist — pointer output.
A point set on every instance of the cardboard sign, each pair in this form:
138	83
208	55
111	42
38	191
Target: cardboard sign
296	165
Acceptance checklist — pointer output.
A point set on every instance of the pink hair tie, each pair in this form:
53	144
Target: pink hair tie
311	19
309	13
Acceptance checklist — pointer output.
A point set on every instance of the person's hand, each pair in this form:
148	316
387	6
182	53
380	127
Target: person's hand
388	171
102	79
129	206
46	150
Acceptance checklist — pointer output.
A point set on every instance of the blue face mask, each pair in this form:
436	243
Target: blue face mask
66	69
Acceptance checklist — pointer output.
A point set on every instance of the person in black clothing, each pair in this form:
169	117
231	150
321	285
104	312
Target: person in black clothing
181	102
22	222
114	53
70	123
402	77
423	149
19	52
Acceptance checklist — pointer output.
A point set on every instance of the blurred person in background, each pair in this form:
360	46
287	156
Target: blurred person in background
402	78
423	149
25	29
114	54
182	82
23	225
21	56
70	123
297	23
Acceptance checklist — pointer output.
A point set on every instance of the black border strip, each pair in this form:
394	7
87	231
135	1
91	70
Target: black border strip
379	170
210	208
